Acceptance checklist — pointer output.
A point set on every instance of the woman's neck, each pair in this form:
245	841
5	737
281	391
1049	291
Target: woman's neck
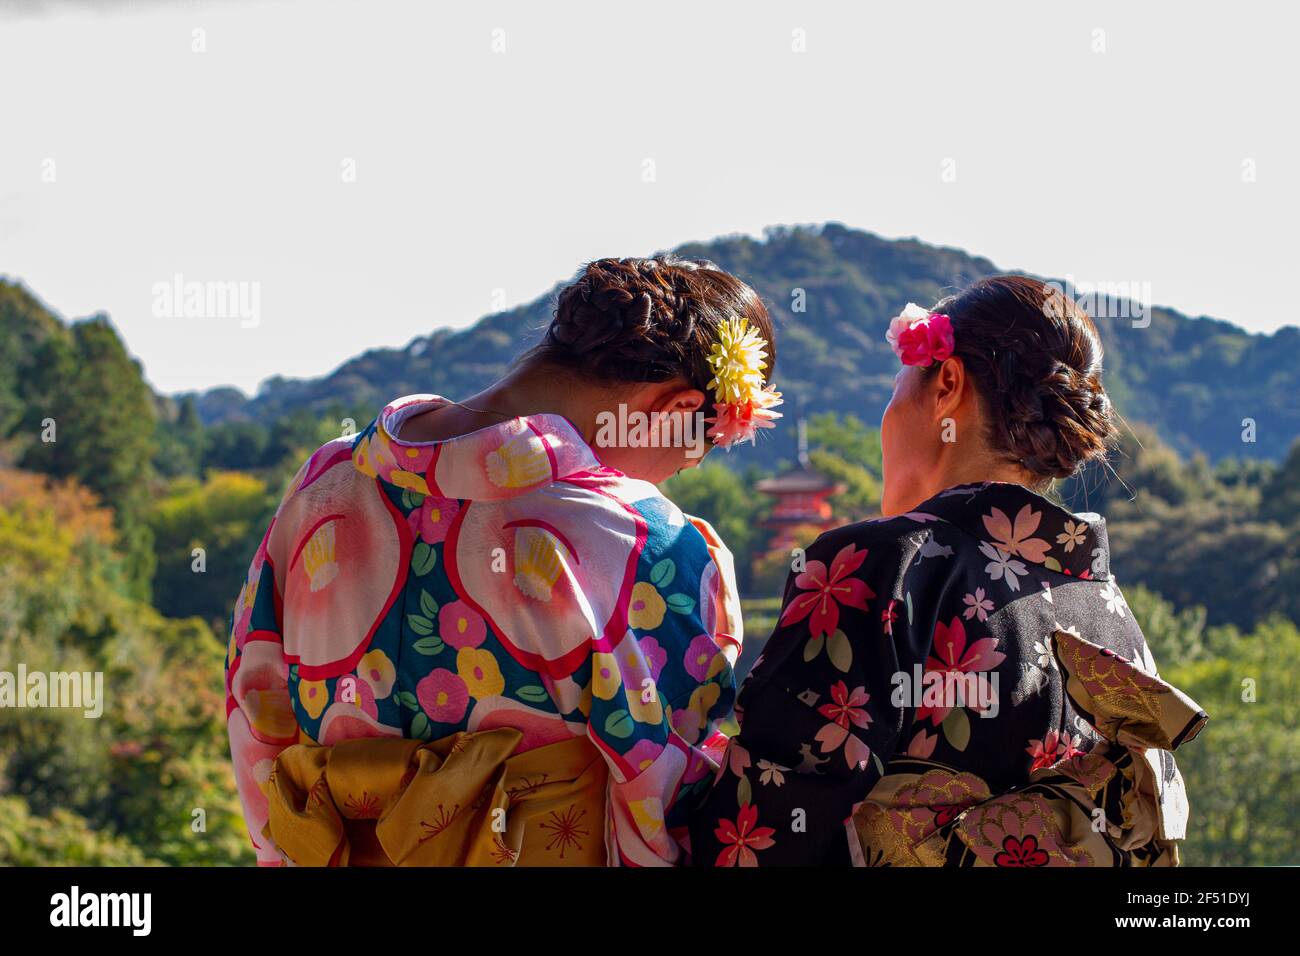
522	392
974	469
1010	474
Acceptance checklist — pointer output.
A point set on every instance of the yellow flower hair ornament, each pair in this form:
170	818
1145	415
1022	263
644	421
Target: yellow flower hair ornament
742	403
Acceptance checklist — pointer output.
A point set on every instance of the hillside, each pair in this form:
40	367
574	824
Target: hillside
100	532
1193	379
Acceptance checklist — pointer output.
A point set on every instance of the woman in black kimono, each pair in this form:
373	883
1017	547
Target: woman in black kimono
960	681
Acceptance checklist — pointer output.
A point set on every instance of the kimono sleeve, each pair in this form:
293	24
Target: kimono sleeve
659	696
817	718
260	718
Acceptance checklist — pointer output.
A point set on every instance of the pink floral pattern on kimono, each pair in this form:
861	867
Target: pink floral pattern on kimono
505	578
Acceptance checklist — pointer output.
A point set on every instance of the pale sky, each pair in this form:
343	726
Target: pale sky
1110	142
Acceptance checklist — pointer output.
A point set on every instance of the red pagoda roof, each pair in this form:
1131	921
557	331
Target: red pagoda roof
799	479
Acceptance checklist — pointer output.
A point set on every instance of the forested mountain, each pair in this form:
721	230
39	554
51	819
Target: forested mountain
124	540
1193	379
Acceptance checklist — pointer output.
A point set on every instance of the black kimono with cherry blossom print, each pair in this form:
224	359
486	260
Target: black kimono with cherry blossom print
1040	688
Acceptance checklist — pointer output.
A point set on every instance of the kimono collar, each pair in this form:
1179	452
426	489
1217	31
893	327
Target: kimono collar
1024	525
510	458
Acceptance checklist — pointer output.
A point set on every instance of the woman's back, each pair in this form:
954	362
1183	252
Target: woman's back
961	682
498	647
927	663
501	579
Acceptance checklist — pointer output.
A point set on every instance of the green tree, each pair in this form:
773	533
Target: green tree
226	516
1281	495
122	788
846	449
1242	772
181	441
103	422
728	502
25	326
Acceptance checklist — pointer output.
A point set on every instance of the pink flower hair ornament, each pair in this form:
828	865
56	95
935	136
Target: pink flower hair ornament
920	337
742	402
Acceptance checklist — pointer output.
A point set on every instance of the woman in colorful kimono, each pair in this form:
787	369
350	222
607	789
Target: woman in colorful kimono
475	633
960	681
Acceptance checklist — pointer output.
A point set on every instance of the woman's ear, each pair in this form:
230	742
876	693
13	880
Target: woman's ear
678	398
950	388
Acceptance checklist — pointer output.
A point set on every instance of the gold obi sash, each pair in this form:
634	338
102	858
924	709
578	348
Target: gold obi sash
460	801
1122	804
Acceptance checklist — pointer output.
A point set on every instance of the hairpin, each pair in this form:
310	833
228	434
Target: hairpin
920	337
742	402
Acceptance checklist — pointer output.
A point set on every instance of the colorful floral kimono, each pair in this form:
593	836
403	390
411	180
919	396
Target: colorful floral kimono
961	685
541	645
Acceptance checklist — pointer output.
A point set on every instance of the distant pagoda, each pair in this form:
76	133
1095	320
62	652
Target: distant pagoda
802	496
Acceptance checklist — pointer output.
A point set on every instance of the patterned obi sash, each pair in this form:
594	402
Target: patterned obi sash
460	801
1122	804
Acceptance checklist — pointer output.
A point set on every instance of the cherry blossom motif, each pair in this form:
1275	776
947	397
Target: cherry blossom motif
949	653
1002	566
737	760
977	605
847	707
1015	539
824	593
1114	599
772	773
1074	534
1052	749
741	838
846	710
922	744
888	616
1045	659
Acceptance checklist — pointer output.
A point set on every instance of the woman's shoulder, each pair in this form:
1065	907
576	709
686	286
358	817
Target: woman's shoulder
664	529
884	536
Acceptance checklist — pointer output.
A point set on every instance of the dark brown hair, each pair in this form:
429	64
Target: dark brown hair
648	320
1035	357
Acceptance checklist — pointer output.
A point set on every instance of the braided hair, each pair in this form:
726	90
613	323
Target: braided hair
648	320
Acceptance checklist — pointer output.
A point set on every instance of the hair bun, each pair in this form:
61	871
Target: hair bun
1059	421
1036	360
